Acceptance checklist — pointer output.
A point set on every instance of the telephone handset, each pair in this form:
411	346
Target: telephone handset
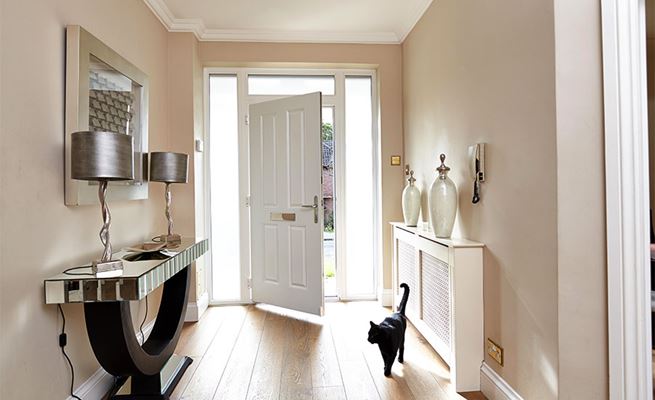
476	168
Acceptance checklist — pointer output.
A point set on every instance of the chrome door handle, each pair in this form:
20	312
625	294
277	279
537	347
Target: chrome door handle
315	207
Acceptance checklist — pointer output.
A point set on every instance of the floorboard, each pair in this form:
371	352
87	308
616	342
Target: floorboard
253	352
206	377
196	337
323	358
186	378
267	371
357	380
236	377
296	381
329	393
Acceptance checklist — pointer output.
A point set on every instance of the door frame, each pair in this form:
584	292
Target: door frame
337	101
627	194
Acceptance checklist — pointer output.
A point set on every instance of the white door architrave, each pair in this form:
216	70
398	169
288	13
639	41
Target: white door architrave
627	198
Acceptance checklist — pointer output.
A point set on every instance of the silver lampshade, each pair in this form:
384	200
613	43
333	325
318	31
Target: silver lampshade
101	156
169	167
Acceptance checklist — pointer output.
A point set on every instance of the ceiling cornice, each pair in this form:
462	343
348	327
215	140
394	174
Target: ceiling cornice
299	36
418	13
197	27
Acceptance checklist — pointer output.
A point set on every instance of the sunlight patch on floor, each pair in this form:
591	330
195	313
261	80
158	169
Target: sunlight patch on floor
285	312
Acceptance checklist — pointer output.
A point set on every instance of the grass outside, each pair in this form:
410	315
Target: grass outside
329	254
329	268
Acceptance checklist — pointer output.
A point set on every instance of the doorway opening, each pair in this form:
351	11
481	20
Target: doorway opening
349	162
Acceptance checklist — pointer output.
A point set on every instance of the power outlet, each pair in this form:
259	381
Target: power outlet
495	351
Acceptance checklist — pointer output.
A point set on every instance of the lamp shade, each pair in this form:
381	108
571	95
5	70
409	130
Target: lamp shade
169	167
101	156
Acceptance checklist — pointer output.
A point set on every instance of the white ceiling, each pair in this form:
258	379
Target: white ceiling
315	21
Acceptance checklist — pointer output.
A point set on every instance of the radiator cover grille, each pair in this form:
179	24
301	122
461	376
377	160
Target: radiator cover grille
435	282
407	273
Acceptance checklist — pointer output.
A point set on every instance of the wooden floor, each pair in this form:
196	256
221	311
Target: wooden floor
253	352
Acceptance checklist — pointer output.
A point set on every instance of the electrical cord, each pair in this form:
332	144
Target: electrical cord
68	271
62	344
143	337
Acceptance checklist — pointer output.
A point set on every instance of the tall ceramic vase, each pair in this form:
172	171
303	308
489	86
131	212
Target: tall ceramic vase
411	201
443	202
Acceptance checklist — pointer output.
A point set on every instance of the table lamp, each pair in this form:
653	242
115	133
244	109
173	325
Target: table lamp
102	157
169	168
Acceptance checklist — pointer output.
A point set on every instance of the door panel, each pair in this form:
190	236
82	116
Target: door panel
297	264
286	210
268	138
271	245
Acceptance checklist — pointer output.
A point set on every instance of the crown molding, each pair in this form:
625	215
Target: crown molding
299	36
418	13
161	11
202	33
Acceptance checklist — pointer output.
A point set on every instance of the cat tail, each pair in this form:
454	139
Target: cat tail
403	302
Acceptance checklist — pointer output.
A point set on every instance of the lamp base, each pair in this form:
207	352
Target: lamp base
107	269
171	240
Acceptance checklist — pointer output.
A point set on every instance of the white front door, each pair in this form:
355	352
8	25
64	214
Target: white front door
286	216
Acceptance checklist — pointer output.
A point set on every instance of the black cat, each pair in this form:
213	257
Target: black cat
390	334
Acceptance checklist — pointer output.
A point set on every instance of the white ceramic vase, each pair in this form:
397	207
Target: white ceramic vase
442	201
411	201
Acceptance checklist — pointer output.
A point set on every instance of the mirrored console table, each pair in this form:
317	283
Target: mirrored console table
150	370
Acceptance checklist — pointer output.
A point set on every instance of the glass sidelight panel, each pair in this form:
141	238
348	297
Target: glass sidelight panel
224	187
329	221
359	188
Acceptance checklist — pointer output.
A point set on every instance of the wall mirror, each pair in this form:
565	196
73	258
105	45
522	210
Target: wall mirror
104	92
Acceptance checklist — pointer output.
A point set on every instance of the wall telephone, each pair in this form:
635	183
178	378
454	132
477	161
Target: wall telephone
476	168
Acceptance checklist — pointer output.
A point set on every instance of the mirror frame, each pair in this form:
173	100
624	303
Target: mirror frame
80	46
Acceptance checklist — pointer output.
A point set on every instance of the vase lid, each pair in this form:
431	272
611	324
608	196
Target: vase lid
411	178
443	169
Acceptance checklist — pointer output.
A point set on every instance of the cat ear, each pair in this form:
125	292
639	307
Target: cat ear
372	324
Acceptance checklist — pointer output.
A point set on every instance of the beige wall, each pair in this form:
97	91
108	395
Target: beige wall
582	264
41	236
182	59
387	60
202	229
485	72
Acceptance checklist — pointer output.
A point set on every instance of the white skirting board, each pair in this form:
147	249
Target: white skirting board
195	310
385	297
95	387
100	382
494	387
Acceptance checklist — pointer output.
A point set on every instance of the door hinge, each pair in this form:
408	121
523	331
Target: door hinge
246	119
247	201
249	282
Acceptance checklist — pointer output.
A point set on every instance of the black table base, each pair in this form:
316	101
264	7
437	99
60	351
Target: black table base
111	333
168	380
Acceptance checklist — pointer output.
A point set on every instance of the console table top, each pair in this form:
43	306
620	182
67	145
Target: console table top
139	278
422	231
